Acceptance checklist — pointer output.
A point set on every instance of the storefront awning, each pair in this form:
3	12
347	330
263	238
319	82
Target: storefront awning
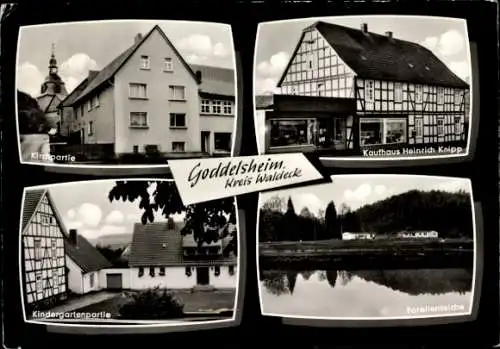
311	104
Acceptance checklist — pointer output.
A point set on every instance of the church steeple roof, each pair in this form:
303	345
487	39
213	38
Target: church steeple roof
53	84
53	61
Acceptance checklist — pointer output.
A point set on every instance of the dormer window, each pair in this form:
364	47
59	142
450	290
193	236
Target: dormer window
145	63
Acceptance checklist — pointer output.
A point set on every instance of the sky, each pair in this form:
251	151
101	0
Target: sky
84	46
85	206
446	38
358	190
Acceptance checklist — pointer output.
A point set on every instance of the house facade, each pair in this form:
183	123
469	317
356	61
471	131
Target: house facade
427	234
161	257
55	262
84	264
353	92
148	100
42	249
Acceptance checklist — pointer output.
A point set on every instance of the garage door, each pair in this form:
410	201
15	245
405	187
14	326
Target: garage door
114	281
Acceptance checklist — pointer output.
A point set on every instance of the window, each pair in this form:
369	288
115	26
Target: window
398	92
135	149
419	127
89	105
440	95
177	120
217	271
382	131
162	271
418	94
39	284
138	91
152	272
141	272
168	65
291	132
91	128
92	280
310	62
188	271
369	91
222	141
55	278
205	106
151	149
178	147
177	93
145	62
96	101
458	97
81	110
138	119
38	249
216	107
227	107
458	125
53	245
440	126
231	270
45	219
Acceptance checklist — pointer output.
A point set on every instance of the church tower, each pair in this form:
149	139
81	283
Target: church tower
53	84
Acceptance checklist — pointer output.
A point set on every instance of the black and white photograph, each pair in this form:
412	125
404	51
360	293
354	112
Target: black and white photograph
128	252
359	87
125	93
368	247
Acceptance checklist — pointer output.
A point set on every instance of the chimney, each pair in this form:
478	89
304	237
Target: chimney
92	74
73	237
364	28
198	76
388	34
137	38
170	223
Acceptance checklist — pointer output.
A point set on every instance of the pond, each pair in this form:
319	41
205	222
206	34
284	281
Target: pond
400	293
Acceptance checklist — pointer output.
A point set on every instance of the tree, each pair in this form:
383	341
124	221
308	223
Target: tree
164	198
274	203
288	227
332	222
31	118
344	210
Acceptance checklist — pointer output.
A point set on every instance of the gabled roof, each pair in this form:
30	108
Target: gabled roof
86	256
112	68
32	199
71	98
375	56
154	244
216	81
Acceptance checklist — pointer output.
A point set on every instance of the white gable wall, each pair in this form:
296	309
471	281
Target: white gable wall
158	105
81	283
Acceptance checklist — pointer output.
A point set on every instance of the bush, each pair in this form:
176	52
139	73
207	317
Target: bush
152	304
32	119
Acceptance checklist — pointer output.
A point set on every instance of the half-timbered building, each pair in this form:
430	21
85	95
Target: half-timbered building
352	92
42	250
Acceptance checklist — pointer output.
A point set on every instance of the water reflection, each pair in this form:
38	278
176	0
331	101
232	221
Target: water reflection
365	293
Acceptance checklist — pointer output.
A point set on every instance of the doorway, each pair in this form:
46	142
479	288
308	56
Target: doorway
202	276
205	141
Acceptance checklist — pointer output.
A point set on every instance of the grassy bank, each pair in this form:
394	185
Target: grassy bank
367	254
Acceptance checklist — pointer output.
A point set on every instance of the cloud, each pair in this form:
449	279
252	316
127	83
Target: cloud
275	66
72	214
309	200
89	215
462	69
104	230
29	78
115	218
198	48
72	71
361	193
75	69
380	189
450	43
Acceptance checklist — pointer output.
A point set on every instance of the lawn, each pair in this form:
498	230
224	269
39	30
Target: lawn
202	301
